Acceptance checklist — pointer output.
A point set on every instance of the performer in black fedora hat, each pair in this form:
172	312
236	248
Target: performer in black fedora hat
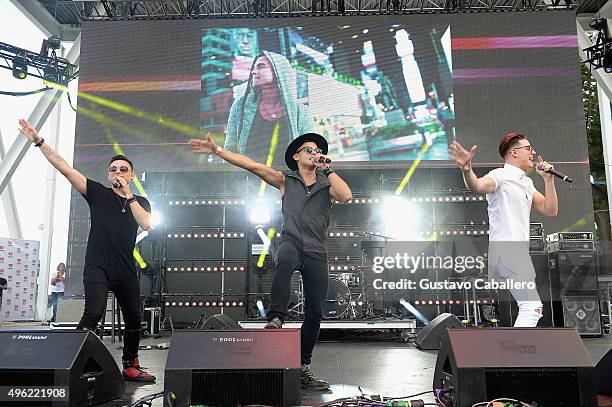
308	191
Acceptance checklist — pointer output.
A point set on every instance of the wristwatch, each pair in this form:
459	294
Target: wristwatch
327	171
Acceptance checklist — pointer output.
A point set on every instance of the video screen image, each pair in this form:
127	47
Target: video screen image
382	94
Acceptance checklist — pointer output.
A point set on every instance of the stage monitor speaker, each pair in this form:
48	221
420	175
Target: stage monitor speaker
234	367
603	374
547	366
430	337
220	321
76	361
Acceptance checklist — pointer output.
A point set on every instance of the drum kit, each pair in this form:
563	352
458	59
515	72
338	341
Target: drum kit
346	296
349	294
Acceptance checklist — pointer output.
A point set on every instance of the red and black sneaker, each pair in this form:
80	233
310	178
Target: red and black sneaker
134	372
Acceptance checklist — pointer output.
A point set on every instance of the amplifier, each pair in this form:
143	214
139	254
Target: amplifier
536	230
555	237
571	246
537	245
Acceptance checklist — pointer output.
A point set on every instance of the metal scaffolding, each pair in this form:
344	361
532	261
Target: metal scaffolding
92	10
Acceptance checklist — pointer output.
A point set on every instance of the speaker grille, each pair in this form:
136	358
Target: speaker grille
542	385
582	313
232	387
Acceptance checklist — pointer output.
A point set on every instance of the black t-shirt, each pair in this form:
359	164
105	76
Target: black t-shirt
260	137
112	237
2	283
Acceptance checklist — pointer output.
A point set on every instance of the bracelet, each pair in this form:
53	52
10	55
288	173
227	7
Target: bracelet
466	167
40	143
131	200
218	150
327	171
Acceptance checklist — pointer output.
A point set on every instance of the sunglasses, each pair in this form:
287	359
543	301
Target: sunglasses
310	150
114	168
528	148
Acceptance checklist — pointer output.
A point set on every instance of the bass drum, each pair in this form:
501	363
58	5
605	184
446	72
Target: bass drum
337	301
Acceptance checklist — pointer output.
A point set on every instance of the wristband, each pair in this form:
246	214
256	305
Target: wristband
40	143
131	200
466	167
218	150
327	171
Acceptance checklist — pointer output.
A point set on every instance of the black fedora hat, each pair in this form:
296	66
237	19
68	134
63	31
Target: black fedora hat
318	139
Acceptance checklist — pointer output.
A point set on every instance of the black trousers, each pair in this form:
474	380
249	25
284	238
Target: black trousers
313	267
128	297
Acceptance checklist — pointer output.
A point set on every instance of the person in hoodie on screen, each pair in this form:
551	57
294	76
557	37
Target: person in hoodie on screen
267	117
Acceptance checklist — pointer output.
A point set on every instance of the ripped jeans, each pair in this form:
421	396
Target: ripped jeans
520	271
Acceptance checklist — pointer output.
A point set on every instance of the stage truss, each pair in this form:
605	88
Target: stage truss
100	10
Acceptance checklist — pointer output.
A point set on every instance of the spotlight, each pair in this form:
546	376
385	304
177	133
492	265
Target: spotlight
20	68
260	214
155	218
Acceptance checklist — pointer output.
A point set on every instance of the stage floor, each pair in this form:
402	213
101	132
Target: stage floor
387	368
379	367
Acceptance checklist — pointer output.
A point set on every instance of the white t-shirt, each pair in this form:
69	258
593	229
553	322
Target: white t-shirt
510	204
58	287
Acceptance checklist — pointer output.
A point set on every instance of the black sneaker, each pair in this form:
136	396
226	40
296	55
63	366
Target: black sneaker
310	382
276	323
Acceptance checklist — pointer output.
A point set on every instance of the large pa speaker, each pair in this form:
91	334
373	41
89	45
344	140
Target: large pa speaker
430	337
549	366
220	321
582	313
234	367
572	272
76	361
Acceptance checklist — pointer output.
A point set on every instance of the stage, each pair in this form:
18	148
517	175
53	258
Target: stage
389	368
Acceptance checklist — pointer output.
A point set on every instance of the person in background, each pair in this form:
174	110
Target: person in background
3	286
57	288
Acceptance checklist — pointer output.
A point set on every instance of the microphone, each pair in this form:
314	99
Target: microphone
116	184
325	160
560	175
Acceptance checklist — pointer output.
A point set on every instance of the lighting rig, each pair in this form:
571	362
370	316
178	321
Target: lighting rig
45	65
599	55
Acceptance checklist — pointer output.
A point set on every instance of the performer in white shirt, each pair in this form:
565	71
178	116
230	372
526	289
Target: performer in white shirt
511	195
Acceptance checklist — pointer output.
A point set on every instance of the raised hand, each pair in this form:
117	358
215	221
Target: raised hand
29	131
461	156
542	167
207	146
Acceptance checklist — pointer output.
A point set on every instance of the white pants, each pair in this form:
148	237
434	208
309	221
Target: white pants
511	260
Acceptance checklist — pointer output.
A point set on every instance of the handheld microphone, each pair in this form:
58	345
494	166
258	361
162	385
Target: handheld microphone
560	175
116	184
325	160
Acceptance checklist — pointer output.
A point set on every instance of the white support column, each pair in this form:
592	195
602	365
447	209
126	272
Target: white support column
46	242
8	203
605	118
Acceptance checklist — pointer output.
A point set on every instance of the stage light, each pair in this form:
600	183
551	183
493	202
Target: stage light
260	214
414	311
400	218
607	63
241	304
20	68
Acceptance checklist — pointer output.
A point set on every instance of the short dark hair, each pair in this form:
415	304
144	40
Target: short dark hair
509	141
122	158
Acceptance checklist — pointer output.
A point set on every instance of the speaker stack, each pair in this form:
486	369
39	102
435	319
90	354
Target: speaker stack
573	282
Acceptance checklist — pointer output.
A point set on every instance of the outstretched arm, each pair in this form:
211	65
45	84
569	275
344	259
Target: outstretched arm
208	146
463	158
78	180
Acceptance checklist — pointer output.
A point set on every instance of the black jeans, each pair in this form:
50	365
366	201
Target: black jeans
128	297
313	267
